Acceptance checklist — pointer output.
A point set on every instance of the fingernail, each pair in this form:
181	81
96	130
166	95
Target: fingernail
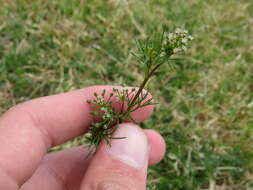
132	149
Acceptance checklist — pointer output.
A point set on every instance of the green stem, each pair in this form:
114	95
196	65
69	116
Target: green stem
144	82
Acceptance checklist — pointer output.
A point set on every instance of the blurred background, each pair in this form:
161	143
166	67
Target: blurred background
206	106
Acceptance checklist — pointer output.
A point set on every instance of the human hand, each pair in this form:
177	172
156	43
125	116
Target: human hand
28	130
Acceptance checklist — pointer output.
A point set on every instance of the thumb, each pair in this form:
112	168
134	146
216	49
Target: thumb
123	165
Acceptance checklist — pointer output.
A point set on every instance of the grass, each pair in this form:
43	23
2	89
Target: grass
206	109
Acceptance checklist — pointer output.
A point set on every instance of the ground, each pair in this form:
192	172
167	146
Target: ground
206	104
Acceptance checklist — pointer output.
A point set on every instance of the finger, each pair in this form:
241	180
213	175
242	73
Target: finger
65	169
157	146
29	129
123	165
60	170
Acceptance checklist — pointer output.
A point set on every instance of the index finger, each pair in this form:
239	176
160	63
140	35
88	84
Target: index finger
30	129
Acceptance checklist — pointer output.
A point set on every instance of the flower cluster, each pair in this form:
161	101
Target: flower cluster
177	42
102	110
107	116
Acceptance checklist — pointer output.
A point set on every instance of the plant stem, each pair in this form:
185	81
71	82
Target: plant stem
144	82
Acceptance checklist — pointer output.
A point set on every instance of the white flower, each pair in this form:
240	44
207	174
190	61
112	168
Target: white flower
185	31
170	36
176	50
184	40
190	37
184	48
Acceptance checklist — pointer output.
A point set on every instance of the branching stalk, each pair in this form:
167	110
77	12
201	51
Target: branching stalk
152	54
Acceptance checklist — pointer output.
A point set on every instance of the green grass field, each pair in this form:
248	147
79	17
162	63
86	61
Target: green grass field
206	107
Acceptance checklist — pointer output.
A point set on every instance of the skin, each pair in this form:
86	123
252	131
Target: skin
29	129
